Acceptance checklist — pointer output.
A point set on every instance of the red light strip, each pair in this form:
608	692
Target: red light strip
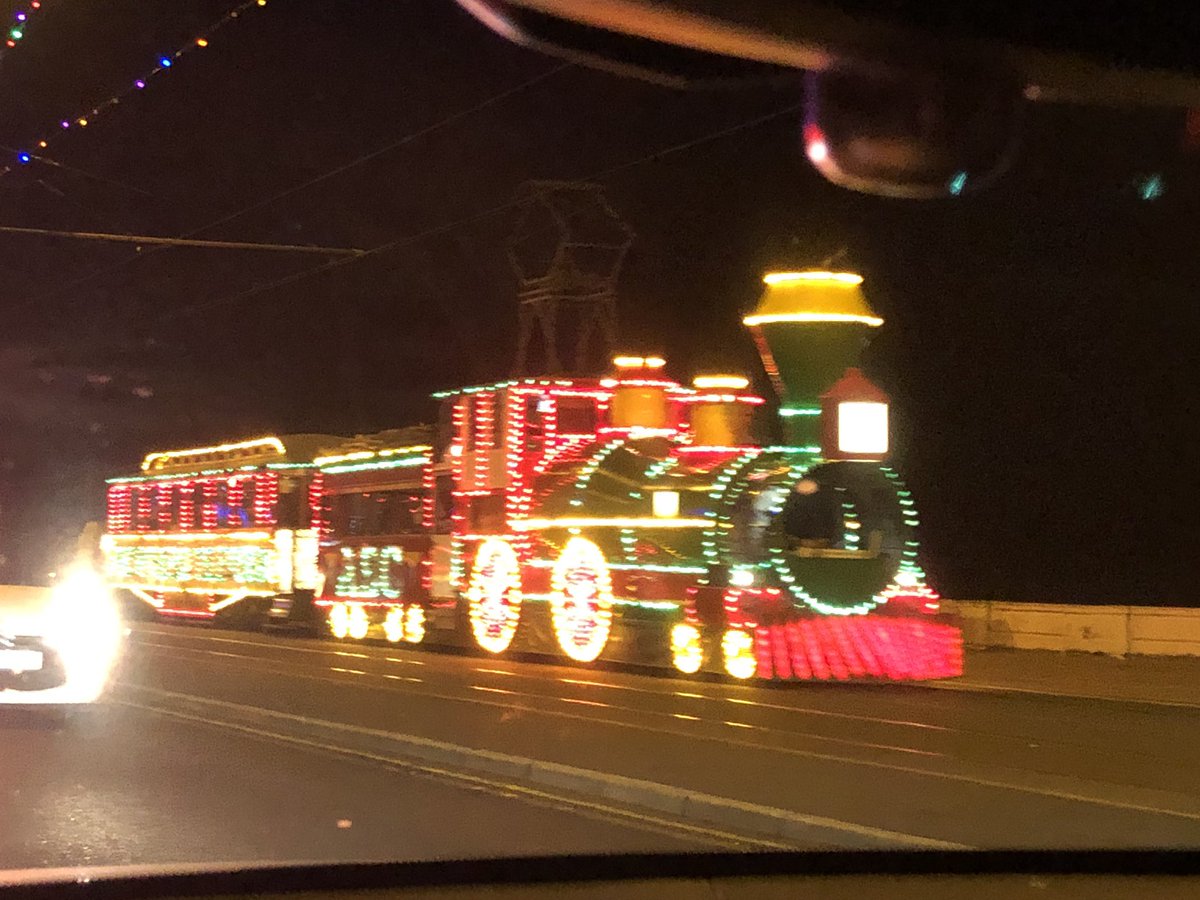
319	520
830	647
517	497
187	613
145	509
208	508
485	424
120	509
266	495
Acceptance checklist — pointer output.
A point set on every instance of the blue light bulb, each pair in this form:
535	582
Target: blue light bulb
24	157
165	62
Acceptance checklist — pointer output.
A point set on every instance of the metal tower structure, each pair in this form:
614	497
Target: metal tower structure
567	251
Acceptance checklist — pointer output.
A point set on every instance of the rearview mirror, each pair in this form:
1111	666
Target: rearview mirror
911	130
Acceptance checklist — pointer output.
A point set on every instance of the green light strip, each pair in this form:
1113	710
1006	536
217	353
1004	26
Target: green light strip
182	476
789	411
376	464
515	382
661	605
633	567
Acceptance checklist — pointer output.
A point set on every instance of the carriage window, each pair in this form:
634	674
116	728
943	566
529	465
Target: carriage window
498	420
468	423
356	512
291	509
487	514
443	505
194	519
399	512
445	428
248	500
576	415
535	422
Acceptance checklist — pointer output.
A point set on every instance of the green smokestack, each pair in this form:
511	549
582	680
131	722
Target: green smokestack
809	327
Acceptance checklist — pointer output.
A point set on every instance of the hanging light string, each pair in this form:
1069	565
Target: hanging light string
163	63
20	23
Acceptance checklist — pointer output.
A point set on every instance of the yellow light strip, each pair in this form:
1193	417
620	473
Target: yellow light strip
140	588
273	443
156	602
606	522
768	318
370	454
228	601
838	277
186	537
712	382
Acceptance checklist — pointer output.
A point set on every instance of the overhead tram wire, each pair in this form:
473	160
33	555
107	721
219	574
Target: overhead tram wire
158	240
338	170
83	172
205	306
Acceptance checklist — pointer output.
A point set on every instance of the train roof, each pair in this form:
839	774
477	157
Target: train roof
394	448
268	450
549	382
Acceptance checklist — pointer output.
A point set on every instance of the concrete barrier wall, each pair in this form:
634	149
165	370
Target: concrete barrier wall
1115	630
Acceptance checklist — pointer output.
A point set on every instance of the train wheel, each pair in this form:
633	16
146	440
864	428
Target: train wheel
494	595
339	621
348	620
393	624
687	651
360	622
581	600
414	624
737	650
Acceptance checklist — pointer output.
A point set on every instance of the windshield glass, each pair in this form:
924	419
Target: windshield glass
485	451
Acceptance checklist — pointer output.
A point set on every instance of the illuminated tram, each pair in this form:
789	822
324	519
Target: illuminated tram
627	518
217	531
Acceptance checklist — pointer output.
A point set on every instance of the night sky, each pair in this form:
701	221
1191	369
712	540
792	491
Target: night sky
1039	342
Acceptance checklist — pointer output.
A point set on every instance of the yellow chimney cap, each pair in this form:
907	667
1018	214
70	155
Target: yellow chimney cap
638	362
812	296
726	382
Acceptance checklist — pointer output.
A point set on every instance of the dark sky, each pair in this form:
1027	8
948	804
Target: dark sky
1040	336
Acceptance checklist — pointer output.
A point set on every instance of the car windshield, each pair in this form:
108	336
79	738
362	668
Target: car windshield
493	455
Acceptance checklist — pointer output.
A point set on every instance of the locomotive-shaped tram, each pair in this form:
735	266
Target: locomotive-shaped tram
627	518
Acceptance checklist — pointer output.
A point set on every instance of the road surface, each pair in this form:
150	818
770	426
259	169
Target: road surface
226	746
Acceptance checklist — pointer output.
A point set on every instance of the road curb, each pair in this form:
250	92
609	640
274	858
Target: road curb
690	806
970	687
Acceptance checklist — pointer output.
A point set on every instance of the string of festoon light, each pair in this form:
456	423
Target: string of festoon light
20	24
163	63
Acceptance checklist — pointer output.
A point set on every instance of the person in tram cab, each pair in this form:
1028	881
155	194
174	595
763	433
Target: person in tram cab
410	576
812	518
329	564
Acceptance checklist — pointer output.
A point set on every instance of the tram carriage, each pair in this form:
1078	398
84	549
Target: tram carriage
217	531
626	518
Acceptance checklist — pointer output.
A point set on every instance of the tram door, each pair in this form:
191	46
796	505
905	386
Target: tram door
441	590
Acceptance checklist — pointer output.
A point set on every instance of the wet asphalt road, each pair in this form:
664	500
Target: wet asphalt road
186	762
